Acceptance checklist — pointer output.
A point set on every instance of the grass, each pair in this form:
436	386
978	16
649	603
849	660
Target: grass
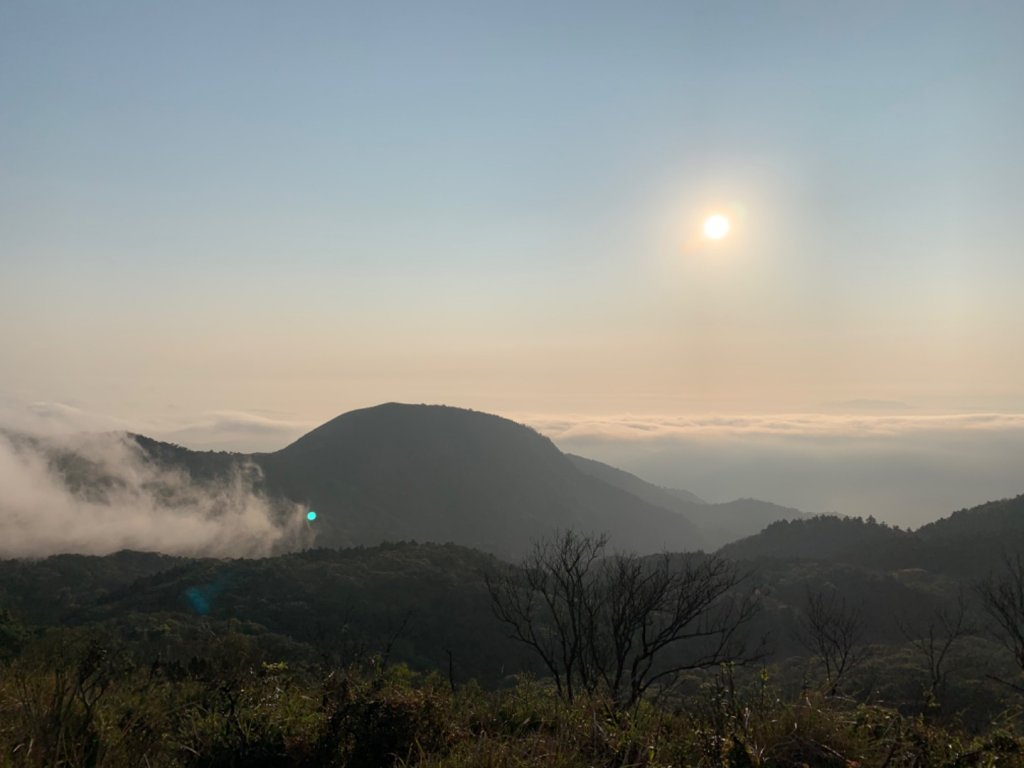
81	711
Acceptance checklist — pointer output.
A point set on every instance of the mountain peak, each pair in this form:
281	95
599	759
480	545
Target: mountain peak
440	473
394	419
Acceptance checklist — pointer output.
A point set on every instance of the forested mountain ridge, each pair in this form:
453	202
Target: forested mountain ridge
967	543
428	605
51	589
1000	517
425	600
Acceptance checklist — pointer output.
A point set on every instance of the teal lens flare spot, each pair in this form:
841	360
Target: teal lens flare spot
311	515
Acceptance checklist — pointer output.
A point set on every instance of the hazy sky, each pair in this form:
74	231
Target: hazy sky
283	211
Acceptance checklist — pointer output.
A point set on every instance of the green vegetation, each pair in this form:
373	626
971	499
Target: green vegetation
414	654
75	701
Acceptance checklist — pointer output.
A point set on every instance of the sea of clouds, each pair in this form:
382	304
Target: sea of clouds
907	469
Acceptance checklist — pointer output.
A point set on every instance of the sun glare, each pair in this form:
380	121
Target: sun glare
716	227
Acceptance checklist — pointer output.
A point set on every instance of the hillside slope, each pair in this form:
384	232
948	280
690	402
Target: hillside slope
424	600
718	524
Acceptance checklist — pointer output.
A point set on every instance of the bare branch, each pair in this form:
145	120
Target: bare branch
832	632
621	624
948	624
1003	600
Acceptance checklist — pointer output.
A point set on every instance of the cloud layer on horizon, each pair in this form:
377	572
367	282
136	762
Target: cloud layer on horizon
235	431
795	425
906	469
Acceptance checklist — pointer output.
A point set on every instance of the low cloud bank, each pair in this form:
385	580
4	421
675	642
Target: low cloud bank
235	431
905	469
812	425
98	493
211	431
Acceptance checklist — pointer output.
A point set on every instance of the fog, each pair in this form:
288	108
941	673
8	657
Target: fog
97	493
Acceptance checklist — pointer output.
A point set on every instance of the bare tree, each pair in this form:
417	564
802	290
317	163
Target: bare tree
832	632
622	624
1002	598
550	606
948	624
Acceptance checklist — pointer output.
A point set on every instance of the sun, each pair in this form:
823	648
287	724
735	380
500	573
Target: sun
716	227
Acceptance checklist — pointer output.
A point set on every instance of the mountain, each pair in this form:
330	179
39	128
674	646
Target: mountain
966	544
825	538
654	494
718	523
679	493
1003	518
437	473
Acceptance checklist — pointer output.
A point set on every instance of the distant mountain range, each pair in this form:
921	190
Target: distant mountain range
443	474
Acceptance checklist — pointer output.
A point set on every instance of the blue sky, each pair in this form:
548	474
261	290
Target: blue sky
297	209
